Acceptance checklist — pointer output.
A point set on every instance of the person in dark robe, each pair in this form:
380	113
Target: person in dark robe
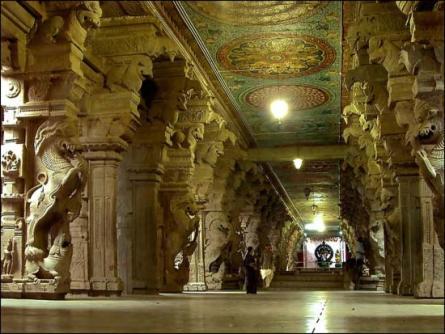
251	269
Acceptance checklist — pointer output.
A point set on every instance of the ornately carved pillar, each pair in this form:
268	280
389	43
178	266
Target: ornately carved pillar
13	191
112	120
53	83
429	282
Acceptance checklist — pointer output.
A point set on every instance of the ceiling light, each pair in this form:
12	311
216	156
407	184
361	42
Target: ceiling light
321	227
314	209
279	108
318	220
297	163
317	225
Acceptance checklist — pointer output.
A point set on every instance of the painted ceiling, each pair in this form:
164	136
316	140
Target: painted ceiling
264	50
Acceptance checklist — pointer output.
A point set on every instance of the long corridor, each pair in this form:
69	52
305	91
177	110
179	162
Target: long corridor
268	311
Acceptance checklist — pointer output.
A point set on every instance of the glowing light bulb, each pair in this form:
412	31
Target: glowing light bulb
318	220
321	227
297	163
279	108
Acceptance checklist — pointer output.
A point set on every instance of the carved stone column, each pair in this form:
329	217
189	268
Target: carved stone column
429	282
112	119
197	280
207	154
140	176
218	229
53	83
410	229
13	193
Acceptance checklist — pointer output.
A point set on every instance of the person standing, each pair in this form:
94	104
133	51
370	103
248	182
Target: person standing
251	269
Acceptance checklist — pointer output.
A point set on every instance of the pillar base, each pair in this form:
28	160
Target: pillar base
424	289
39	289
404	289
106	287
195	286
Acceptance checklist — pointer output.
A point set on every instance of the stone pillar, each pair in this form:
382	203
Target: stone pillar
12	198
377	240
218	233
145	242
140	178
111	122
80	261
197	281
52	80
410	229
207	155
429	281
102	222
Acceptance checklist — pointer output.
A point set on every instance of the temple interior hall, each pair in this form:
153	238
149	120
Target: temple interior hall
222	166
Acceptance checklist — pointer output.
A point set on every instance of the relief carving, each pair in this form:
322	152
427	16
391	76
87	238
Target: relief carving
14	87
10	164
181	238
54	203
8	258
387	53
128	75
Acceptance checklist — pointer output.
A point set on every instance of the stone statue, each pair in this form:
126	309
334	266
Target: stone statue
8	257
49	29
425	135
377	243
55	202
209	152
129	75
219	233
89	14
181	238
189	138
10	164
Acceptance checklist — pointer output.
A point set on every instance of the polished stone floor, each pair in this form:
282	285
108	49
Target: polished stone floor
269	311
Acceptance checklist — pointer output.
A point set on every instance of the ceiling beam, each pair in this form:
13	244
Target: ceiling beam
289	153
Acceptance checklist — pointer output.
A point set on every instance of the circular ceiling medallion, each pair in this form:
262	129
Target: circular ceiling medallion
256	12
298	97
276	55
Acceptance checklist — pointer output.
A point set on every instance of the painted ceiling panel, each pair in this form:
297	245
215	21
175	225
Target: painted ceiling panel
264	50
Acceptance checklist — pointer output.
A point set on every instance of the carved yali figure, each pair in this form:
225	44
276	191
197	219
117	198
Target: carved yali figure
55	202
181	239
426	137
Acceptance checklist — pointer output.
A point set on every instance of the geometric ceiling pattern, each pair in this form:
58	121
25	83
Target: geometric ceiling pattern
291	50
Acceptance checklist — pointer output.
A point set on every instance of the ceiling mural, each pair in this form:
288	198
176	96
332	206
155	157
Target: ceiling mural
268	47
246	13
264	50
275	55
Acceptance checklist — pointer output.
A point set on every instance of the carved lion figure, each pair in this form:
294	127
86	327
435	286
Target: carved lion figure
129	75
55	202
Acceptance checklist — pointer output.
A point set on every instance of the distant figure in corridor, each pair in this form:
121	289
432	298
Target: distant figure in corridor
251	269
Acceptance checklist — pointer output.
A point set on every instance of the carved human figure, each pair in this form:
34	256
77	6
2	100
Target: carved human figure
7	261
10	163
55	202
209	153
376	238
